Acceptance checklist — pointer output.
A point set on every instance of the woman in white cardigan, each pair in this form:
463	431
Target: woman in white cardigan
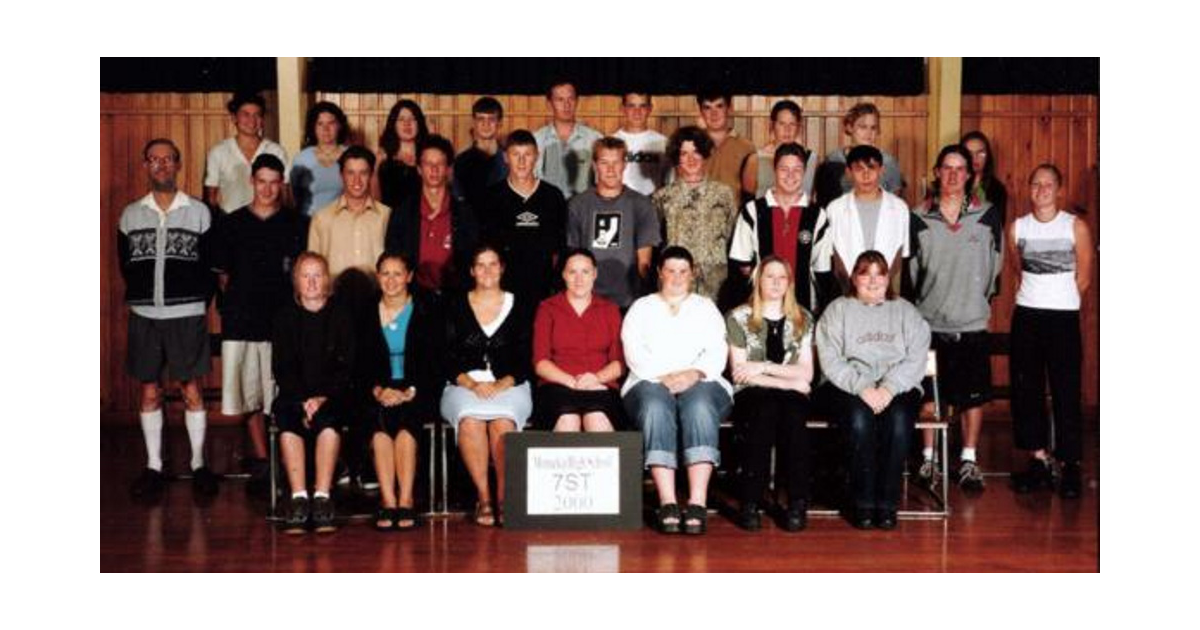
675	349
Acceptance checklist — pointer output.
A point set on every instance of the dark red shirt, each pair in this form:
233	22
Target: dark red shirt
578	343
784	233
437	244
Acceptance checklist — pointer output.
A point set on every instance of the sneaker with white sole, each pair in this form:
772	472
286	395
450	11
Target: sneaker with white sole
970	476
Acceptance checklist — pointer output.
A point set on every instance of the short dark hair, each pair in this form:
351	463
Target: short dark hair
157	141
519	138
561	81
791	148
392	254
487	105
864	153
356	152
678	252
266	160
310	122
689	133
701	97
244	98
608	143
439	143
786	105
573	252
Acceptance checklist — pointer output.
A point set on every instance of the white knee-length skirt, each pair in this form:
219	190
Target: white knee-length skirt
514	403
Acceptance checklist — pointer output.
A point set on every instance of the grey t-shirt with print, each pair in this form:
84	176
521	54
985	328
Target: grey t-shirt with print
613	229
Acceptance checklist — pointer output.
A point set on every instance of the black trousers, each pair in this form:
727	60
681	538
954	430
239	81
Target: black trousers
1046	343
767	417
878	445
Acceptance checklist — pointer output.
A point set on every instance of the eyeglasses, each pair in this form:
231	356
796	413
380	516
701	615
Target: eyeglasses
160	161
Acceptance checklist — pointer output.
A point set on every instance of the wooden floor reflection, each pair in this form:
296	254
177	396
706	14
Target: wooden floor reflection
998	531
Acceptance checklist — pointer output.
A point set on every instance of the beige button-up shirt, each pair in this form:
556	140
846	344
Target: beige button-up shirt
348	239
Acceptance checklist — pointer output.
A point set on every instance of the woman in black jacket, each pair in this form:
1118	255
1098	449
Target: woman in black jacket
404	382
487	363
312	357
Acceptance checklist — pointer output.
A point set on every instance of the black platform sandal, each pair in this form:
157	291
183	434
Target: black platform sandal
668	518
405	519
695	519
385	519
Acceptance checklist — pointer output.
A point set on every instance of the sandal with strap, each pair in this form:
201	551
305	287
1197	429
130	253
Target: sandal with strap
668	518
695	520
405	519
385	519
484	516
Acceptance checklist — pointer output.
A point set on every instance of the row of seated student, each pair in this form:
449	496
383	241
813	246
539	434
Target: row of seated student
170	244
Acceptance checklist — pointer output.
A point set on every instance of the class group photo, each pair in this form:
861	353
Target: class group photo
650	315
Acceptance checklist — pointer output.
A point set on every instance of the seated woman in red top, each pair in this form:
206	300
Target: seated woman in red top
577	353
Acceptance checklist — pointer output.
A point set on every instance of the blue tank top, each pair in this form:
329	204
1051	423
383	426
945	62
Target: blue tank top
394	332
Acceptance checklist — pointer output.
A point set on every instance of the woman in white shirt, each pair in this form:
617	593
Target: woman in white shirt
675	349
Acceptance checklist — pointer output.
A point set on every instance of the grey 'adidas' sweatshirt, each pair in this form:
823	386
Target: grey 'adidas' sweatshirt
861	346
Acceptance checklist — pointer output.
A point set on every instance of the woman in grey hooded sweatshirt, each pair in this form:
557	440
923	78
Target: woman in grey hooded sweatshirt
872	348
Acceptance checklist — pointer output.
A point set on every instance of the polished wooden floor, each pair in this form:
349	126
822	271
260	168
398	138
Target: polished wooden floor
997	531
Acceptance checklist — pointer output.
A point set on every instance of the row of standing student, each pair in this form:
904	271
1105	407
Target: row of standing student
699	142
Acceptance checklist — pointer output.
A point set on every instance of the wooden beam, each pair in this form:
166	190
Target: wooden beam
945	103
291	83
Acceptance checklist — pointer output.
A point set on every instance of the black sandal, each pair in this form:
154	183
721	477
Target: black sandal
668	518
695	520
404	514
385	515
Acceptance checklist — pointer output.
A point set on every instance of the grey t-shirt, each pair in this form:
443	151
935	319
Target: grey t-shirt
868	216
613	229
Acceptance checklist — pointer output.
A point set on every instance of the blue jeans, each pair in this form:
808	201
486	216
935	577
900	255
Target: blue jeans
878	445
662	416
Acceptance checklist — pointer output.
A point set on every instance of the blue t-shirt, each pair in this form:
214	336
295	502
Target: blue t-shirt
394	333
314	186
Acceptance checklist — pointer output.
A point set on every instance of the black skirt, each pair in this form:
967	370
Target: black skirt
553	400
393	420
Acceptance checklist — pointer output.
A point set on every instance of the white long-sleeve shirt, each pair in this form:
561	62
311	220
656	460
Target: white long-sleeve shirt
658	343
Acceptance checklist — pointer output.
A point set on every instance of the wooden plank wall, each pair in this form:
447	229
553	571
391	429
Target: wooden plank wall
1025	130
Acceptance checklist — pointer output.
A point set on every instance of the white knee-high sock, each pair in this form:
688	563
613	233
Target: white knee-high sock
196	422
152	424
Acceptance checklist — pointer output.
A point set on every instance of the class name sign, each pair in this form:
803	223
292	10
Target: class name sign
573	481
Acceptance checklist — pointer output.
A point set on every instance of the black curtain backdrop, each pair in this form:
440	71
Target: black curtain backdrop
836	76
897	77
1031	75
190	74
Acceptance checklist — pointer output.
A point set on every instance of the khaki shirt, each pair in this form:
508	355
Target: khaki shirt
347	239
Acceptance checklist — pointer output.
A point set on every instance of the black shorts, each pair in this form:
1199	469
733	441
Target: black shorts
289	415
964	368
553	400
180	344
